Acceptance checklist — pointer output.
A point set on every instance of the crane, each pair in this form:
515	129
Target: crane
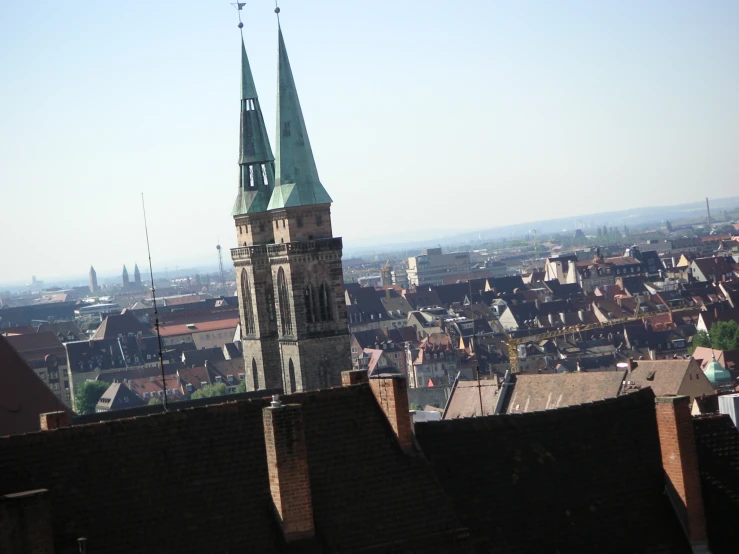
385	273
513	343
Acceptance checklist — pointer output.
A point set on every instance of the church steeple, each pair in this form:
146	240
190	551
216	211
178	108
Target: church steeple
256	162
297	182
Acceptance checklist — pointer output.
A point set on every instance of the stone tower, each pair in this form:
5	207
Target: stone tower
126	282
93	280
291	295
137	276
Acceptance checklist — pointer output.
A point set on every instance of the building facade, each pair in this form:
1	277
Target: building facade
288	264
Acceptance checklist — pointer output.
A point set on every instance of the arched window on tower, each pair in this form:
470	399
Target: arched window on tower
255	374
248	308
282	292
310	313
324	298
291	375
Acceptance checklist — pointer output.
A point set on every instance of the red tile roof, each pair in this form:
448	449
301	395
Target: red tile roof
203	326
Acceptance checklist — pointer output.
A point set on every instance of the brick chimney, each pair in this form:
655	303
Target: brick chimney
391	392
25	523
54	420
354	377
287	463
680	463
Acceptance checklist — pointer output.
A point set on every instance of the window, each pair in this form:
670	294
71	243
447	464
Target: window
42	374
308	298
283	295
230	378
188	387
291	376
203	384
248	309
254	374
324	299
146	396
354	349
219	379
241	377
53	375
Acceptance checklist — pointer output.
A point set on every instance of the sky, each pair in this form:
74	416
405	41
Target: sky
424	116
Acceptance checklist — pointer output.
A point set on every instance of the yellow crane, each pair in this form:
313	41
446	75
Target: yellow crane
513	343
385	273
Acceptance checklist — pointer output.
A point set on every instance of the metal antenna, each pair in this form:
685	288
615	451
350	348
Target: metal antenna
156	312
220	266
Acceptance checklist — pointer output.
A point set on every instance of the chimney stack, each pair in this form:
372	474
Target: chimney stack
54	420
391	392
25	523
680	463
287	463
354	377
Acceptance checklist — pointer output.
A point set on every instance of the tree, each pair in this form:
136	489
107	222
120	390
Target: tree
87	396
722	336
701	338
725	335
669	226
208	391
241	387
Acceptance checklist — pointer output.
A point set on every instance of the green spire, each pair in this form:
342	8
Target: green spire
256	162
297	182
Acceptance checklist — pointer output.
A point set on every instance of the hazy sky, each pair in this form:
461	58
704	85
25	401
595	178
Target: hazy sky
422	115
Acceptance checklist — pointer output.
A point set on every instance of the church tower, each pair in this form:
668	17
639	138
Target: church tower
93	280
293	314
126	282
137	276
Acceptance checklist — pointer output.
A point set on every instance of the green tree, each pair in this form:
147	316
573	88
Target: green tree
725	335
701	338
87	396
722	336
154	402
208	391
669	226
241	387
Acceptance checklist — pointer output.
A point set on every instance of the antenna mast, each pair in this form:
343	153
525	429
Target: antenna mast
220	267
156	312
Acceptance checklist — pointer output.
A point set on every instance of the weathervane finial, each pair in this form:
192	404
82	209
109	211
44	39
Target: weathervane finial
277	11
239	6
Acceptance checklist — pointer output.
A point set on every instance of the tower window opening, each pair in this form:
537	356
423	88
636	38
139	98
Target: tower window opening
319	219
264	175
251	176
310	314
283	296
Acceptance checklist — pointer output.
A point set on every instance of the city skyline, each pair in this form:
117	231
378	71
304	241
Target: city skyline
98	120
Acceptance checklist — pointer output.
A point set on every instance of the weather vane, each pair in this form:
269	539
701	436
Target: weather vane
239	6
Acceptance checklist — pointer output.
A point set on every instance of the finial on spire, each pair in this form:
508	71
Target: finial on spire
239	6
277	11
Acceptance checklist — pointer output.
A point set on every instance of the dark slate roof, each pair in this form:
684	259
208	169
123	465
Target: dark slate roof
563	291
121	324
23	395
117	482
369	338
26	315
116	397
717	442
402	334
113	353
506	285
199	357
582	479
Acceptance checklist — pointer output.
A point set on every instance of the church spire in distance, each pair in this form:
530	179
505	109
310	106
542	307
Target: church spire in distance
296	176
256	162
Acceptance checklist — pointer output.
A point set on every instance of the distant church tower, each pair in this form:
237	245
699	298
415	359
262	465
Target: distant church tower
93	280
291	295
126	282
137	276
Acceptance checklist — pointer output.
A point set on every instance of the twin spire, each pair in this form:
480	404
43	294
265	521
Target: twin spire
293	179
